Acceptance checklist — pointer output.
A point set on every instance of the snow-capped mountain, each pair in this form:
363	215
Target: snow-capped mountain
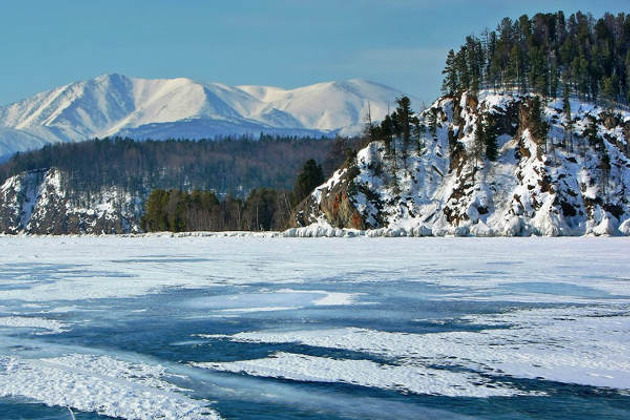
182	108
573	180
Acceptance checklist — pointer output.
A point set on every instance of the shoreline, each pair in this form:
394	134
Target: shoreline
301	233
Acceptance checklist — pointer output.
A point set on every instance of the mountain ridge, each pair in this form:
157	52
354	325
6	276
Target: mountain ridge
117	105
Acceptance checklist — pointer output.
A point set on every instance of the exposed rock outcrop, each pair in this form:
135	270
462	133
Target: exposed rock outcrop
36	202
551	176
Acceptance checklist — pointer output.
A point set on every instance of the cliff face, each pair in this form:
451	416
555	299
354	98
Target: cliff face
37	202
332	203
570	179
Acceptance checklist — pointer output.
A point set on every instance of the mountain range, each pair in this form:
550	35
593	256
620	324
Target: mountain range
116	105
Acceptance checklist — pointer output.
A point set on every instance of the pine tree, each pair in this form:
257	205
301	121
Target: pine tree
591	132
370	132
387	134
450	83
566	102
554	79
462	69
310	177
403	116
489	129
154	219
609	88
539	127
514	71
605	167
568	119
533	53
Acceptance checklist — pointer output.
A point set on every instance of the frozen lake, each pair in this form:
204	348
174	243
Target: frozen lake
279	328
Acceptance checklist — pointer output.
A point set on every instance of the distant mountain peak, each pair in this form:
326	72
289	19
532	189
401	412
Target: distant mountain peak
114	104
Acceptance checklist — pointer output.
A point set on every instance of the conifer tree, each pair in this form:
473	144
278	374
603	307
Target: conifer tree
566	102
404	116
310	177
545	51
591	132
450	83
489	129
568	119
539	127
605	167
477	146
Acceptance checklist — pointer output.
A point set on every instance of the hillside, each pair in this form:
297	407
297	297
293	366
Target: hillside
102	185
116	105
530	138
548	53
557	171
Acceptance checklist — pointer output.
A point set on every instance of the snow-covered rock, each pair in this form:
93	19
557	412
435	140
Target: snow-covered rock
39	202
564	184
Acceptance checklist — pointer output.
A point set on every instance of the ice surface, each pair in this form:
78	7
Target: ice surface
181	325
419	380
571	345
50	325
100	384
283	299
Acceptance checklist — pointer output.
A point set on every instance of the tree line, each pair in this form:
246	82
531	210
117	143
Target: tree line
402	123
548	54
230	165
264	209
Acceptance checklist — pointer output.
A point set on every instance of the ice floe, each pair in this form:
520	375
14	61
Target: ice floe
586	346
100	384
49	326
405	378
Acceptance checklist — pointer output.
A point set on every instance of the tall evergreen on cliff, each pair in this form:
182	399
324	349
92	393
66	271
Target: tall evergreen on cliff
546	53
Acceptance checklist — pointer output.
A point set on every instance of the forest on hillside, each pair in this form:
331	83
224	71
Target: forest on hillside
226	166
264	209
549	54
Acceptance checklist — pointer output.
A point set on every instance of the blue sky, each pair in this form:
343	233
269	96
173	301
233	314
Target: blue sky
287	43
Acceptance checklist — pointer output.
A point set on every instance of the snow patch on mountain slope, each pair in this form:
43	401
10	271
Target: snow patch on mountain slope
11	140
330	105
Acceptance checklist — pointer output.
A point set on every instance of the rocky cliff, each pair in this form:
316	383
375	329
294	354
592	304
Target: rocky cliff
37	202
559	169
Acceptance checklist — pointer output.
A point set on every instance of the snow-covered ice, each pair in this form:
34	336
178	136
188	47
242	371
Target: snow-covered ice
549	344
415	379
48	325
100	384
203	326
